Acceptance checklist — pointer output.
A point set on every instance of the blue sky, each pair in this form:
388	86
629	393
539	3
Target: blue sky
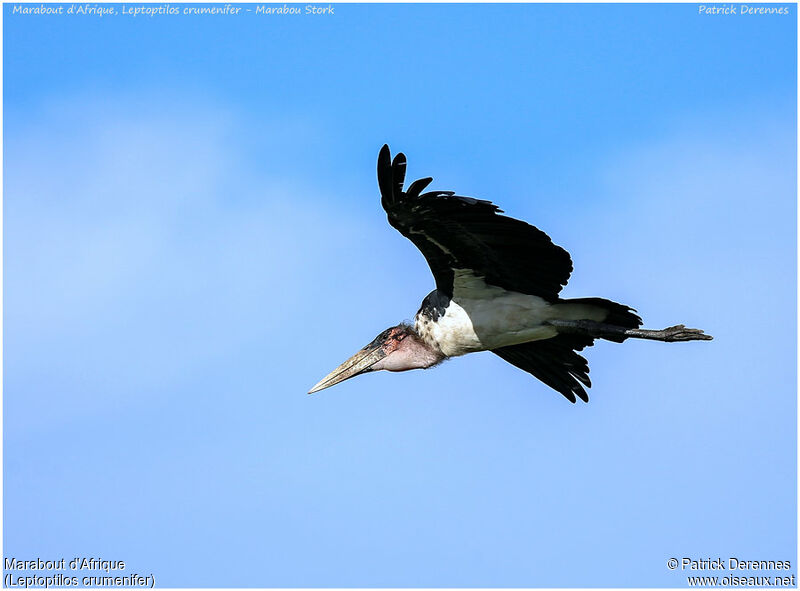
193	238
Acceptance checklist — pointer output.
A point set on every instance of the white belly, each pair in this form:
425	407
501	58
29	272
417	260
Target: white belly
482	317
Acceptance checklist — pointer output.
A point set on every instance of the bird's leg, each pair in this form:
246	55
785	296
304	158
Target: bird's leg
600	330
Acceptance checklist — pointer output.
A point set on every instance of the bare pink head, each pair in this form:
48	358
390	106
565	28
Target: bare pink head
396	349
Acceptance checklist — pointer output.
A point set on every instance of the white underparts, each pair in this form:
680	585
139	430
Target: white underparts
482	317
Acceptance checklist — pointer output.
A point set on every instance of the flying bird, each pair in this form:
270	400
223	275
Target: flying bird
497	289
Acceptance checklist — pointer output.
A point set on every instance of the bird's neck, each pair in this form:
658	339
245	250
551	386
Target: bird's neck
428	354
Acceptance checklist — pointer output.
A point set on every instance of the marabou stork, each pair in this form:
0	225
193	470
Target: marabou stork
497	286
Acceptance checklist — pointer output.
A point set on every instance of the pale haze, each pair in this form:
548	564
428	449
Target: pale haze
193	237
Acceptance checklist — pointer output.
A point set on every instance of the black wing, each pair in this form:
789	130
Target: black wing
555	362
456	232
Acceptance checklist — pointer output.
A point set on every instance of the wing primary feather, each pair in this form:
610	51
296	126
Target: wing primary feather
415	188
385	176
398	175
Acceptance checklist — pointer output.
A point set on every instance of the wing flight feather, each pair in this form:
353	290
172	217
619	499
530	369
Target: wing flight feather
455	232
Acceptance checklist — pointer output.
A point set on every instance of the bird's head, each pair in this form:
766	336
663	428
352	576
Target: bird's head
396	349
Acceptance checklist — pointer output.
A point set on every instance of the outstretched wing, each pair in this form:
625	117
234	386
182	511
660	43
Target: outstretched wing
555	362
455	232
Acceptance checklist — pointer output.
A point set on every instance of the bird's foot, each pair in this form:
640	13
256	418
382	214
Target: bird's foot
680	333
